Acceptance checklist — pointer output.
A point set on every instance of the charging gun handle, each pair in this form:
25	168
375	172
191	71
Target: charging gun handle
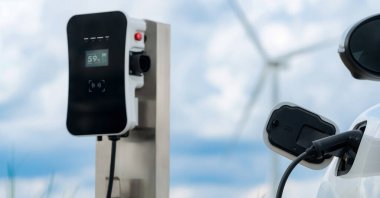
332	145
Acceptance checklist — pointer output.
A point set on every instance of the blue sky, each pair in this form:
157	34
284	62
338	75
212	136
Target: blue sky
214	67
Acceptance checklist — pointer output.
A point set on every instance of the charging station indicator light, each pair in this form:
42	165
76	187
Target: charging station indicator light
138	36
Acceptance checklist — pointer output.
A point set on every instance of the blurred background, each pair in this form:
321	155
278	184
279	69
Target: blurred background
217	63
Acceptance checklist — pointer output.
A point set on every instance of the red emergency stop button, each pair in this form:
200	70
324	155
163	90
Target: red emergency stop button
138	36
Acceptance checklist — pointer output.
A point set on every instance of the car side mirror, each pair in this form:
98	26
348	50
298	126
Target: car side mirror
360	48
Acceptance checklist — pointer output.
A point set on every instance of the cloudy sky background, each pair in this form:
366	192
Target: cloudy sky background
214	67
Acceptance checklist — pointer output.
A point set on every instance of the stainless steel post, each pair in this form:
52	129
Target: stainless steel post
142	159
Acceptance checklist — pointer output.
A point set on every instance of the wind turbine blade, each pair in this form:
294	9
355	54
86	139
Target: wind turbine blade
307	49
247	111
248	28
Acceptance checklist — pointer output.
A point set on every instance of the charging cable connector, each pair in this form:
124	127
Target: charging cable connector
337	145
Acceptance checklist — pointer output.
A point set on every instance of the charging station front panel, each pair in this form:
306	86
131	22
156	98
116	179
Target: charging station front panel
97	74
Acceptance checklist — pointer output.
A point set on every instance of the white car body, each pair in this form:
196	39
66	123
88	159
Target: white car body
363	179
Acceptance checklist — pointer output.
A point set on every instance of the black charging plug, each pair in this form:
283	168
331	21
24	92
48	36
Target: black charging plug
337	145
343	145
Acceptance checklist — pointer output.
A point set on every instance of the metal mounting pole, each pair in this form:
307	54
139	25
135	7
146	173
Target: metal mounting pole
142	159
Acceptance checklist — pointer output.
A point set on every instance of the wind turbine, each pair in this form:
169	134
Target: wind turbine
271	68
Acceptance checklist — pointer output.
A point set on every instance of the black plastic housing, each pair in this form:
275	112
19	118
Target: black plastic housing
293	129
96	100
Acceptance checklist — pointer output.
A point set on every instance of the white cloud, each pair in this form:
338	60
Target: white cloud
205	191
293	189
181	192
278	37
79	185
10	86
23	16
47	119
154	10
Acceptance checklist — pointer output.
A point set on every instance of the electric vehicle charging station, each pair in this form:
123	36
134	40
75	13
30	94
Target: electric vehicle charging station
355	169
119	86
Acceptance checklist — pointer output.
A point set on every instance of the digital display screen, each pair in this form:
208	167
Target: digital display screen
96	58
